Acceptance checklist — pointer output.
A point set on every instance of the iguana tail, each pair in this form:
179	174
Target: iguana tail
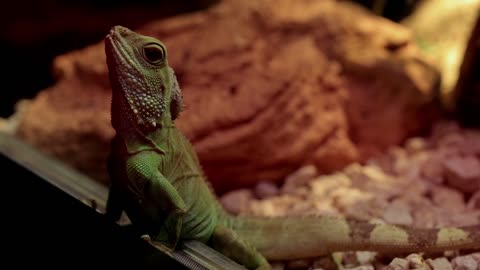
302	237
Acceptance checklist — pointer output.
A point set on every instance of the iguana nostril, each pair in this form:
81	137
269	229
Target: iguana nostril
123	31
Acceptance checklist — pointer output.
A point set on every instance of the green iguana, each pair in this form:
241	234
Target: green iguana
157	180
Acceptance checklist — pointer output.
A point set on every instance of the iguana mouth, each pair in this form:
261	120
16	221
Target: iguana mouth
114	42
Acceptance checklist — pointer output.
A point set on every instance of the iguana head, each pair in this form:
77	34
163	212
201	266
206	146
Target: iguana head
145	89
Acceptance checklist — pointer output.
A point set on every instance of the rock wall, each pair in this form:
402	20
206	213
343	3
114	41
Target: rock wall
268	85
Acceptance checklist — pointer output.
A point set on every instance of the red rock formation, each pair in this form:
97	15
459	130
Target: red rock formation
268	86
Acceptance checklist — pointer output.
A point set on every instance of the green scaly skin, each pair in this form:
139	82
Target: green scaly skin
157	180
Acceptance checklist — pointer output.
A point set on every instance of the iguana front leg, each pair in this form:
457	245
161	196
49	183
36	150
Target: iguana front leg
169	233
115	200
114	206
156	192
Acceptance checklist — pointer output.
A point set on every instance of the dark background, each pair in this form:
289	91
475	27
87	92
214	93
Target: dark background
32	33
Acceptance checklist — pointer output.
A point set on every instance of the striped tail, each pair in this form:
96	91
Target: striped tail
303	237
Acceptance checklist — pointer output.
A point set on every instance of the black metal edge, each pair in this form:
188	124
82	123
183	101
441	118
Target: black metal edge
55	172
192	254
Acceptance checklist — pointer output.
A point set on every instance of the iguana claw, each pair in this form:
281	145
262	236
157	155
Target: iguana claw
163	248
147	238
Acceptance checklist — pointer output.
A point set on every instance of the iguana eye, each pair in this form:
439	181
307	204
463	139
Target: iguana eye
154	53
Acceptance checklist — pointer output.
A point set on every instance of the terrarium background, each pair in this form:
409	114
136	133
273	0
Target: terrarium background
34	32
430	181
